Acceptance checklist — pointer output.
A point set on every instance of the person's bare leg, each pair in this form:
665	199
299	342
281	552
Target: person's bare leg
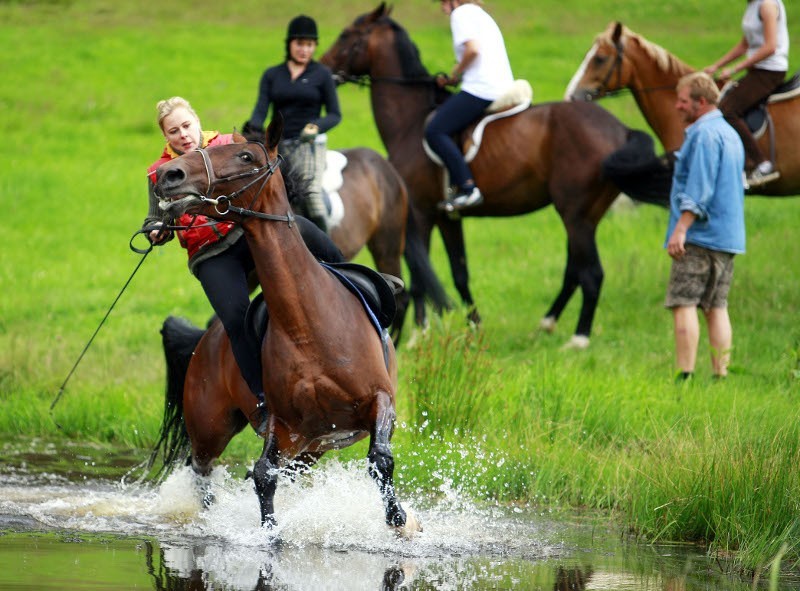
687	334
720	337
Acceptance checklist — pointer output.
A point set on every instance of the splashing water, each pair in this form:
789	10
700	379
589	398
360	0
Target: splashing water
330	520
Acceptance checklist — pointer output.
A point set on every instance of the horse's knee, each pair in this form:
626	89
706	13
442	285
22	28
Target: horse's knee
381	461
265	476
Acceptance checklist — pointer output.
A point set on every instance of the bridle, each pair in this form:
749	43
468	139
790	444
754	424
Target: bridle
355	50
223	205
616	66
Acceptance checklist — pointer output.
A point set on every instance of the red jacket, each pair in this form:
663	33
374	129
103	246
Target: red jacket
203	231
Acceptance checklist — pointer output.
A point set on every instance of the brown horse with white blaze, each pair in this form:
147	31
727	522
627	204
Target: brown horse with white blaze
621	59
550	153
330	375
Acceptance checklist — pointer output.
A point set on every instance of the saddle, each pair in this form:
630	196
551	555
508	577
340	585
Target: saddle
514	100
757	118
332	181
376	292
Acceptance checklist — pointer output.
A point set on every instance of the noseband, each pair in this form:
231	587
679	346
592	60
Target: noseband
616	66
223	205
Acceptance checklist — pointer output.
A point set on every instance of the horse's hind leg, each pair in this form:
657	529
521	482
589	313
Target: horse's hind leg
381	461
452	233
568	287
585	270
265	476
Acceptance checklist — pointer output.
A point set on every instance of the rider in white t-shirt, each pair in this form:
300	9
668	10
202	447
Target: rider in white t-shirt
484	71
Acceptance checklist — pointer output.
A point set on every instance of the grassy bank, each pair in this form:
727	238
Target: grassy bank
604	429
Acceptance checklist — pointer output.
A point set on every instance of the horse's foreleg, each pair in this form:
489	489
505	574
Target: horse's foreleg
453	237
381	461
265	476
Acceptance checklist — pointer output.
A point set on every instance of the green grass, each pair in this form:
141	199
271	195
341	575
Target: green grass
502	413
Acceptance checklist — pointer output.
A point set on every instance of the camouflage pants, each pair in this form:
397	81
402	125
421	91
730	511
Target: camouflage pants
308	159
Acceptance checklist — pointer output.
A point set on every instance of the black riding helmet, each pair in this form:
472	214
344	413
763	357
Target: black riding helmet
300	27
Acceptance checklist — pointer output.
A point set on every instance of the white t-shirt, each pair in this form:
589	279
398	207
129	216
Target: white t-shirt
489	75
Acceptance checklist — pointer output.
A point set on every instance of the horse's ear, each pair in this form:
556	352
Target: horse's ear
380	11
274	131
238	138
617	34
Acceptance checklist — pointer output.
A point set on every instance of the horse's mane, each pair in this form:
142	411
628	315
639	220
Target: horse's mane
407	51
297	184
665	61
411	64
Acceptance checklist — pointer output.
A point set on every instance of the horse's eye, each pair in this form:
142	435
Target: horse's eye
246	157
599	60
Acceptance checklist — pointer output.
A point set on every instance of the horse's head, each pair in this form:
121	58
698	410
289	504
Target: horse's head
603	69
350	57
207	181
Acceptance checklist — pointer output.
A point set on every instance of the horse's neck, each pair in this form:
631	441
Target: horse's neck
654	92
399	108
286	270
399	114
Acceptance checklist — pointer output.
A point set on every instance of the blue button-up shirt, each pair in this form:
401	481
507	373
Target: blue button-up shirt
708	182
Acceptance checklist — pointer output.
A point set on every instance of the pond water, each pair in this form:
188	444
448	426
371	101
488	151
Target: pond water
69	519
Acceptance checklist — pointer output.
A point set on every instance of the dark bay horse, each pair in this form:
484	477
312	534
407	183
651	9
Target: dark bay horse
376	215
548	154
621	59
329	376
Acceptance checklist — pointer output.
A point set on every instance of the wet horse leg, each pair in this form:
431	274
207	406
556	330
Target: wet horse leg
381	461
265	476
452	233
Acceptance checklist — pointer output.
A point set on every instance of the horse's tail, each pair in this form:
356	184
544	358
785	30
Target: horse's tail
179	338
638	171
424	280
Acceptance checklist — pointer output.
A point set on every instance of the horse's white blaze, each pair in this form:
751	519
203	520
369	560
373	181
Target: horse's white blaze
573	84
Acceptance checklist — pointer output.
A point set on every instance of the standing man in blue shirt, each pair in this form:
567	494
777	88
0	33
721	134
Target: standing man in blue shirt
706	224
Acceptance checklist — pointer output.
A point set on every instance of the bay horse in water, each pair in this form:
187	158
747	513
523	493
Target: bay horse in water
329	375
376	215
620	59
550	153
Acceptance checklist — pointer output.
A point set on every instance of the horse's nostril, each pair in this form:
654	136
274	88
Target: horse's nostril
174	176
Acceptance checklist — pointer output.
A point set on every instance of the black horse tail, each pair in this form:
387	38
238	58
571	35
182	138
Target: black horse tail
424	281
639	172
179	338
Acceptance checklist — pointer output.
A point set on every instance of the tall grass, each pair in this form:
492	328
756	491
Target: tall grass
502	412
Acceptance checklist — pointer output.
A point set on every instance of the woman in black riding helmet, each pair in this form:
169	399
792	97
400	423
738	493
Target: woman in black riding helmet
298	89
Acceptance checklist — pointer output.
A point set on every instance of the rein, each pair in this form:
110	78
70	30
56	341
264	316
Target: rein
366	80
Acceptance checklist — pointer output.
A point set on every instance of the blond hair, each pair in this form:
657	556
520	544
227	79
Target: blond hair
167	106
700	85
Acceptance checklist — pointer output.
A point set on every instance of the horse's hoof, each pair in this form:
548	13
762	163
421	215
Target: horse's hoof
577	342
411	528
548	324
